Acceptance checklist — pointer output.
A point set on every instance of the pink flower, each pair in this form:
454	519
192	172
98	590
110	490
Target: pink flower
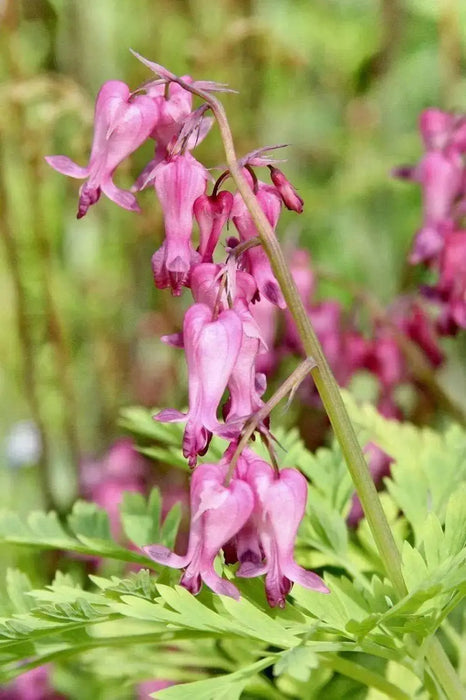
440	175
205	285
451	287
212	347
413	320
436	128
175	122
287	192
279	506
386	361
178	183
172	110
121	124
218	512
327	322
244	395
301	271
265	314
212	213
256	261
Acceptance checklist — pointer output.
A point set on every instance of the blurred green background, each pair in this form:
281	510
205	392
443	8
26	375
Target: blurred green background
341	81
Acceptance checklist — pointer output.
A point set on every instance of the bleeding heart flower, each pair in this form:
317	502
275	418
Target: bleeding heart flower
279	506
211	347
178	183
218	512
121	124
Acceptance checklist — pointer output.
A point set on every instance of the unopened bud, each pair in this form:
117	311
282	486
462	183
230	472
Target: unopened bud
287	192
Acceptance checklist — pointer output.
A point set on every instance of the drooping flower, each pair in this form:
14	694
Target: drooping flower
441	177
256	260
218	512
450	290
266	316
279	506
287	192
172	110
176	130
121	124
211	347
412	319
245	398
205	285
301	270
211	212
178	183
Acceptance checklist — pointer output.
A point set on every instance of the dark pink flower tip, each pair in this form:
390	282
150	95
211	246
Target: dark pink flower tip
121	124
405	172
287	192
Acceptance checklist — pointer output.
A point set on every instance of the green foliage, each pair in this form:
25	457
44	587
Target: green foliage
361	635
87	529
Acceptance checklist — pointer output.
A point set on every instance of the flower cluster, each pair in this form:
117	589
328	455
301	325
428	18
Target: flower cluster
242	505
440	244
254	519
347	349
